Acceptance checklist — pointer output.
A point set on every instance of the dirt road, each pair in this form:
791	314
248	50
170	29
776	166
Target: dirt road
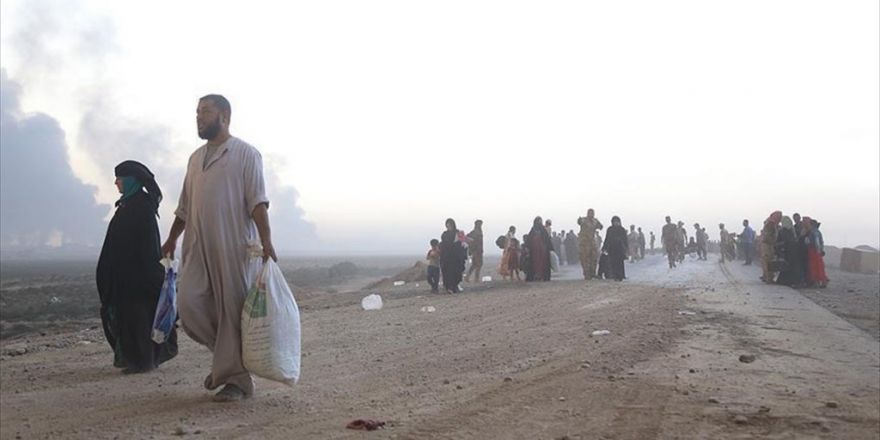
498	361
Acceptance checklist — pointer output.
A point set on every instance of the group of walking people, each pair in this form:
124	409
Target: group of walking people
733	246
448	256
565	244
542	248
674	238
792	251
636	244
677	245
536	255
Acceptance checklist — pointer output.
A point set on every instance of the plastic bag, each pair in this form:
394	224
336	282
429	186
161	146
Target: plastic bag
254	262
372	302
270	328
166	309
554	261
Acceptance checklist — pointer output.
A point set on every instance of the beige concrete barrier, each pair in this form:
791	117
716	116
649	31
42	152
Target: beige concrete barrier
859	261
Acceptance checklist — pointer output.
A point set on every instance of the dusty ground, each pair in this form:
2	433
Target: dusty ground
853	297
499	361
56	297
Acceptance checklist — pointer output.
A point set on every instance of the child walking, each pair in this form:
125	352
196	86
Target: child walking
433	258
516	253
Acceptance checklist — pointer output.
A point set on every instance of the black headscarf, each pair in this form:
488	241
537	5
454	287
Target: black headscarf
539	229
132	168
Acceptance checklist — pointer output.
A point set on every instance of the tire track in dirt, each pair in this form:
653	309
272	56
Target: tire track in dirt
595	395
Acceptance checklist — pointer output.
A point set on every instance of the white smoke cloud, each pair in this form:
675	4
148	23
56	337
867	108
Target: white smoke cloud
55	37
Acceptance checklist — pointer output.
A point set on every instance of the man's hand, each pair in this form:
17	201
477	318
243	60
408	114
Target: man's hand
269	252
168	249
171	243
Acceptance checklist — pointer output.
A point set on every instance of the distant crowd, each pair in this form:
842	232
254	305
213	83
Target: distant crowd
536	255
790	251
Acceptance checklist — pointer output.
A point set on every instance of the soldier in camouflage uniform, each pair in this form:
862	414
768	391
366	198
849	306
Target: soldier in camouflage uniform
669	239
589	254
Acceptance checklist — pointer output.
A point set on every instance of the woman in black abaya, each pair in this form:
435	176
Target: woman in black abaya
452	258
539	246
129	275
615	247
788	247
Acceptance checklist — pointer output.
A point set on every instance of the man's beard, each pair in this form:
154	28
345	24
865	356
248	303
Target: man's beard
211	131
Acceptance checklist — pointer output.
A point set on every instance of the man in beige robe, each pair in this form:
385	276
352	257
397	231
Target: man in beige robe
222	206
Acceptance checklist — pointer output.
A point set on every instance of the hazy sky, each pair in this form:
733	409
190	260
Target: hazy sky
377	120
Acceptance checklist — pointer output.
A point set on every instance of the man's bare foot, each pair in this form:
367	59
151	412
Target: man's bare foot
229	393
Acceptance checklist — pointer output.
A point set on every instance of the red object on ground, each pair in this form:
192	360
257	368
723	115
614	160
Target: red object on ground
365	424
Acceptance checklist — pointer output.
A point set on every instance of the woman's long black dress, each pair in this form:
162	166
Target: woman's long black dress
800	256
129	278
540	245
789	249
452	259
615	246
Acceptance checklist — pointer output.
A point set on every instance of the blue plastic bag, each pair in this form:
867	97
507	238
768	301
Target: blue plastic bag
166	309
